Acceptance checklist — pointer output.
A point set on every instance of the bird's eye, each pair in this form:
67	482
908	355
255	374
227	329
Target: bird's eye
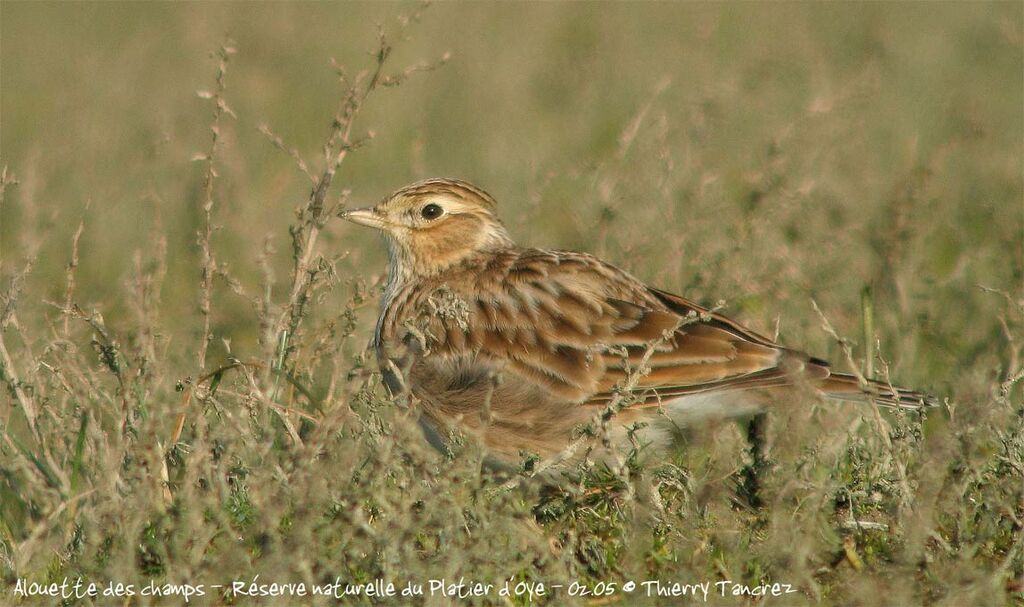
431	211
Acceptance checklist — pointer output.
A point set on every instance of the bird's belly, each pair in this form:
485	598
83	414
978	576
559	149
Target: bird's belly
697	409
511	423
514	418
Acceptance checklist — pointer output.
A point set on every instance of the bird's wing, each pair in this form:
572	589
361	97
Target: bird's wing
792	366
584	330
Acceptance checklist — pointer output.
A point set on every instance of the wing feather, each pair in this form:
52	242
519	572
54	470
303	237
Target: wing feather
579	328
574	329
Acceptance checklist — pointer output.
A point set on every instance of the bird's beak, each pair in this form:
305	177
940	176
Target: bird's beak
364	217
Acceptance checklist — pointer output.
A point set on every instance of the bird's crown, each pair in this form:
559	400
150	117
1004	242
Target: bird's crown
441	187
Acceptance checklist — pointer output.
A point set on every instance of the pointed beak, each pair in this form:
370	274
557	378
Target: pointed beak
364	217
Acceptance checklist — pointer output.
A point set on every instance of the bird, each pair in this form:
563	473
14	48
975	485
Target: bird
534	351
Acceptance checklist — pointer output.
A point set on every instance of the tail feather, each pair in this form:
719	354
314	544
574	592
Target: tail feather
841	386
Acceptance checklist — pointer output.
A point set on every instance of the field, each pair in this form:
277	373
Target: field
188	397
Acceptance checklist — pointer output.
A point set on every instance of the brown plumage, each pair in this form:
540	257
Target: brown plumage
525	346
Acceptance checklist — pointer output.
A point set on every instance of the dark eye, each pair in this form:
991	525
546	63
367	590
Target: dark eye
431	211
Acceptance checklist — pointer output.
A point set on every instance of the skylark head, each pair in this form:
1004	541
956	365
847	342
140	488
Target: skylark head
434	224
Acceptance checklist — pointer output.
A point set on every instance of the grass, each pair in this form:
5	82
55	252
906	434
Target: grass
188	396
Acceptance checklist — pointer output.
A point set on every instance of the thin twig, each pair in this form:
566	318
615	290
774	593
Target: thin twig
10	377
883	428
278	143
110	356
306	267
187	392
207	262
8	373
69	288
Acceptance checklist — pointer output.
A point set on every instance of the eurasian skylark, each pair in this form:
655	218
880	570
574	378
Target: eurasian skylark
523	347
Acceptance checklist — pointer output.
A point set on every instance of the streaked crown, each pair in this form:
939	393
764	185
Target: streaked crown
441	186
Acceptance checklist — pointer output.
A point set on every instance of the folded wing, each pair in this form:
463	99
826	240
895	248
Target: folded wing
584	331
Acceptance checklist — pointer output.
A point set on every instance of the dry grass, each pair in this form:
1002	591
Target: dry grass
187	393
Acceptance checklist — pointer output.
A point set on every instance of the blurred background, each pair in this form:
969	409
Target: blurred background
863	156
762	155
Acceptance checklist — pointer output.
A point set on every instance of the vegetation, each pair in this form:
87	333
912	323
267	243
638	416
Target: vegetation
188	398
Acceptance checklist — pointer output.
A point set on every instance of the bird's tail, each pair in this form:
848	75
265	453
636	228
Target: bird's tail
842	386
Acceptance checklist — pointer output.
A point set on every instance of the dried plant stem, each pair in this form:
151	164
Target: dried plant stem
10	377
883	428
110	356
69	289
307	267
313	217
214	377
207	262
867	306
8	372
